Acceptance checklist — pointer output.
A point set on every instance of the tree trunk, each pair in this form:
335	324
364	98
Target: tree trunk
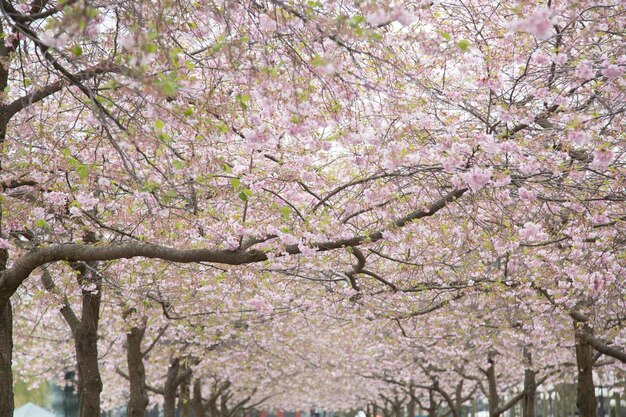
432	405
184	398
458	399
586	398
494	399
86	342
530	386
397	408
410	407
169	390
6	358
7	404
196	401
137	373
223	409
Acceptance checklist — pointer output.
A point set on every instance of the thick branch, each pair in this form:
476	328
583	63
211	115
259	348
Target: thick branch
604	348
596	343
66	311
148	387
11	278
21	103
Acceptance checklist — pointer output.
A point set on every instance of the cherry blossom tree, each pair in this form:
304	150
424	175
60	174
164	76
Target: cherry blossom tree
202	180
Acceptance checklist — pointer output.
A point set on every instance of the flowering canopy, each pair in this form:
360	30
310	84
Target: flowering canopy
364	197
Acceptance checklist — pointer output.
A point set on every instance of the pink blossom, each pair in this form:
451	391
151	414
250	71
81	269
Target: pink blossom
541	58
104	182
127	42
56	198
612	71
505	116
53	41
267	24
502	181
401	15
560	59
579	137
526	194
537	24
602	158
306	250
288	239
231	243
377	18
87	202
4	244
261	306
476	178
584	71
531	231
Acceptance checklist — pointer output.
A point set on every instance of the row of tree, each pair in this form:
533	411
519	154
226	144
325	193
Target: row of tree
312	204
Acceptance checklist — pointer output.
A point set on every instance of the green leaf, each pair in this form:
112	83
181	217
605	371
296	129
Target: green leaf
318	61
82	170
245	194
77	50
445	35
222	127
164	138
243	100
169	88
236	183
285	211
463	44
159	124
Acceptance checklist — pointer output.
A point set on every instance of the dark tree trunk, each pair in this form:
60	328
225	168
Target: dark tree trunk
6	313
410	407
586	398
185	396
458	403
223	410
432	405
6	356
86	342
169	390
196	401
137	373
494	398
397	408
530	386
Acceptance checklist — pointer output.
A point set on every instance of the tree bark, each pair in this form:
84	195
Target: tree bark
6	358
411	405
137	373
530	386
196	401
86	342
397	408
184	398
6	312
494	398
169	390
586	395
